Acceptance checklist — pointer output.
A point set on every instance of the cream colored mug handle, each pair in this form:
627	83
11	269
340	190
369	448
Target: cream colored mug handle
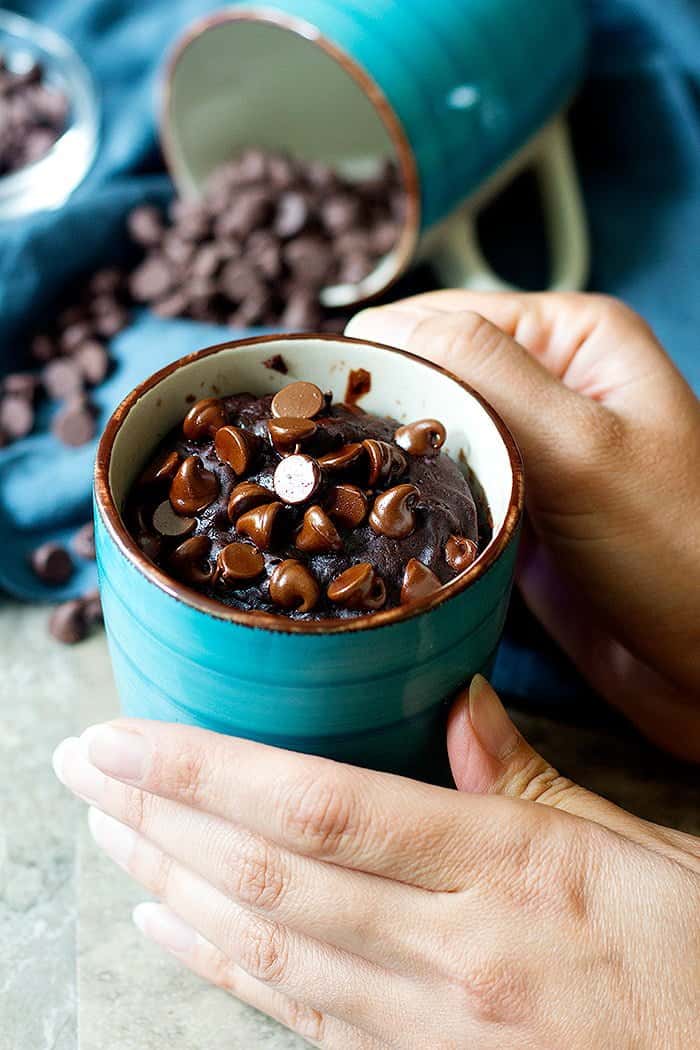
457	257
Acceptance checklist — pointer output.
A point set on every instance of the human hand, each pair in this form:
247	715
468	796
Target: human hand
610	434
368	911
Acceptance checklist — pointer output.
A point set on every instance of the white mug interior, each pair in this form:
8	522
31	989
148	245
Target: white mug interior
402	387
222	98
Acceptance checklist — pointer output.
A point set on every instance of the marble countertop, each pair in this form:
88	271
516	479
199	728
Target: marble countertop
74	972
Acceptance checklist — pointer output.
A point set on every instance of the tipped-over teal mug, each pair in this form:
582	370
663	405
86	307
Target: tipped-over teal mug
463	94
370	691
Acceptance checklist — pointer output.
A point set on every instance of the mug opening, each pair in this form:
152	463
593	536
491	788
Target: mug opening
318	105
151	410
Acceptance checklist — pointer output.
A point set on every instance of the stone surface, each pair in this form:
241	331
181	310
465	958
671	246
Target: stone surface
125	994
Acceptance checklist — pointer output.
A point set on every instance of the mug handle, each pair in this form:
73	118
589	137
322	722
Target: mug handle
458	259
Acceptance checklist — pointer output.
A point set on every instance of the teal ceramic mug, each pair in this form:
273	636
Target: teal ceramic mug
463	94
370	691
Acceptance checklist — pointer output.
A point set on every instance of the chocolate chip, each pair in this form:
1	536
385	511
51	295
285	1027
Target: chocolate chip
93	362
298	400
393	513
297	478
244	497
340	213
75	424
286	432
302	312
61	378
384	459
250	208
359	587
418	582
168	523
236	447
292	214
310	260
16	416
67	623
152	546
92	607
145	225
111	322
161	470
258	524
424	437
318	533
239	279
20	384
293	587
342	458
204	419
277	363
151	280
239	563
42	348
52	564
189	561
460	552
83	542
193	488
106	282
348	505
75	335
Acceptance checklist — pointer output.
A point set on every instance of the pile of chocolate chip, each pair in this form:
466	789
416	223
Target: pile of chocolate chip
268	234
304	507
53	564
33	115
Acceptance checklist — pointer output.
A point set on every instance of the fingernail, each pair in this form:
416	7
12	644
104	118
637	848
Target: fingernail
75	773
160	924
117	840
384	325
58	759
119	753
490	721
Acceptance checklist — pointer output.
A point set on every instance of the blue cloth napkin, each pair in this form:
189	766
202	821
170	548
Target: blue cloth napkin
637	135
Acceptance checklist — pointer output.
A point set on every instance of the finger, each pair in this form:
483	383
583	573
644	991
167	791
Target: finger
344	908
356	818
488	754
593	343
161	925
329	980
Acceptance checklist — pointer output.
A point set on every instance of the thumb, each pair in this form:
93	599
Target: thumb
549	421
489	756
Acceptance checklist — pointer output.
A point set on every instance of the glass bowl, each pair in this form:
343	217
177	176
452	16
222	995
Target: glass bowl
49	181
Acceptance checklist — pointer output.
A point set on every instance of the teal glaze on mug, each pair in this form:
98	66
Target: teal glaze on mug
462	93
370	691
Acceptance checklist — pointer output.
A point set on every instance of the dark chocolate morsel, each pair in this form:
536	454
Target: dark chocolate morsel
293	587
61	378
359	587
83	542
52	564
204	419
258	524
16	416
189	561
93	361
236	447
194	487
393	513
348	505
75	424
92	607
168	523
297	478
286	432
460	552
162	470
342	458
244	497
424	437
385	461
238	563
301	400
418	582
317	532
67	623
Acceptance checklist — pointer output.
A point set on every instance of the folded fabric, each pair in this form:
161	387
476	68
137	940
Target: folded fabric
637	135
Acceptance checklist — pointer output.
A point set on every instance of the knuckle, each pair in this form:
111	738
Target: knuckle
134	808
304	1020
264	950
256	879
317	815
185	780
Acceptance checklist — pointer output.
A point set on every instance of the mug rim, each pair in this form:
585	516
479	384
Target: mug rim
279	623
387	114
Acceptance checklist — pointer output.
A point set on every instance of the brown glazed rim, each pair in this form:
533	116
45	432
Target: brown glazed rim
409	171
271	621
